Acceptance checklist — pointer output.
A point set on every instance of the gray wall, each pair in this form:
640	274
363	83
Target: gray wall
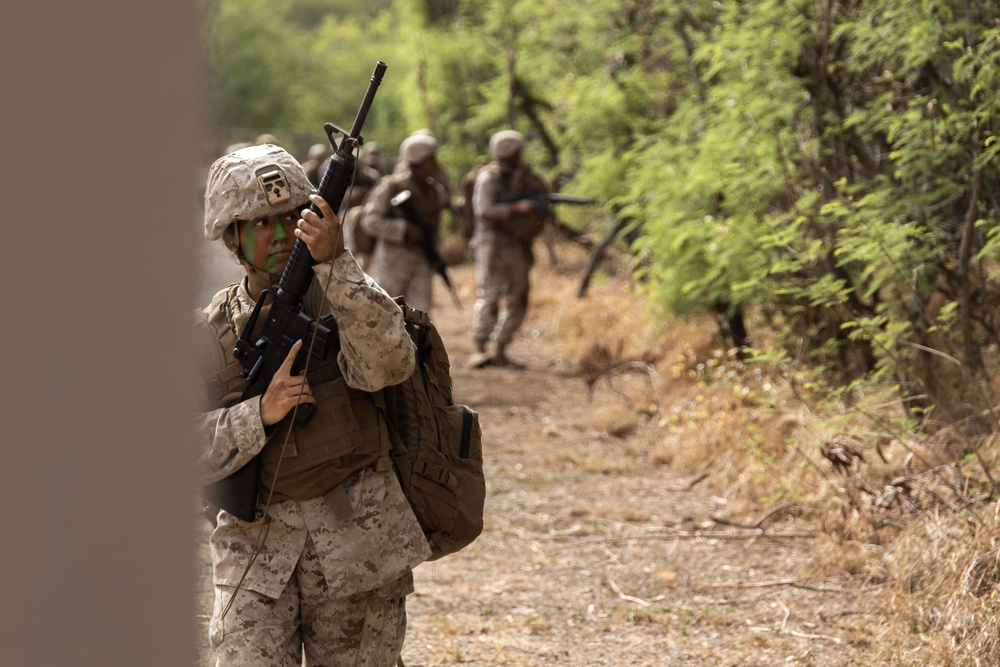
99	158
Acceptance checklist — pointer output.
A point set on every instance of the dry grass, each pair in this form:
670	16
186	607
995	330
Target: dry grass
943	599
907	519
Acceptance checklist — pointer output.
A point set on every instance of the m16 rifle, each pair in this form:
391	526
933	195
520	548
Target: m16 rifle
544	199
262	349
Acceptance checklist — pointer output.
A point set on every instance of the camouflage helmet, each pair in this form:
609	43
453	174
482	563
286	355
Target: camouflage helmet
505	144
252	183
418	147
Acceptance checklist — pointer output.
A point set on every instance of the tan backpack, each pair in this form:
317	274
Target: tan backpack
437	445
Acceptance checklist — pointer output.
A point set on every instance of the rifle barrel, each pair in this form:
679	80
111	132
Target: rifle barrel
366	103
545	198
557	198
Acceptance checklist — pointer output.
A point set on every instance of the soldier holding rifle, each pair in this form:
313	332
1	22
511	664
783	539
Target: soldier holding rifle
406	257
506	224
323	564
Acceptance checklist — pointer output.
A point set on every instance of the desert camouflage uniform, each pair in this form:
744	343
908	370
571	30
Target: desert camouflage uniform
402	268
502	248
332	583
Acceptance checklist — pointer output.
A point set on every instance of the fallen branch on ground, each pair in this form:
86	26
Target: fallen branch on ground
630	598
685	535
793	584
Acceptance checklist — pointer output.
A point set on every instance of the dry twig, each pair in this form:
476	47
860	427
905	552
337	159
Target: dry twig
631	598
682	534
793	584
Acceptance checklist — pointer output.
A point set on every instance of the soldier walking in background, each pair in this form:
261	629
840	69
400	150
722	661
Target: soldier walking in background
505	227
403	214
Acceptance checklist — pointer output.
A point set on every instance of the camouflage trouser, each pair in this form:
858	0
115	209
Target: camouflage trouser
363	629
502	269
403	271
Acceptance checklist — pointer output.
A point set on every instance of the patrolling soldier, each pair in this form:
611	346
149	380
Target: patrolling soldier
505	227
323	571
403	213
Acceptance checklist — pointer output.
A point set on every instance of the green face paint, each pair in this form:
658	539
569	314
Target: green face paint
248	240
280	245
267	243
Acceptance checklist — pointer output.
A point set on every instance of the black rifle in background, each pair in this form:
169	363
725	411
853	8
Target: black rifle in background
262	349
404	202
544	199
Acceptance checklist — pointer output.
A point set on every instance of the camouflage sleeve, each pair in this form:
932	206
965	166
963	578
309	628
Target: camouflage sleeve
230	438
377	218
375	350
484	198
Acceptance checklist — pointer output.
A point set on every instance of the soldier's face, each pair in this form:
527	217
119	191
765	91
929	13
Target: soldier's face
509	164
424	169
267	242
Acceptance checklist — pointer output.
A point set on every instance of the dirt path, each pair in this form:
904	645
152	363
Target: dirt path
594	552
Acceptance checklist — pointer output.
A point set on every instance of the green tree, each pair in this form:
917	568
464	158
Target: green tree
833	174
257	65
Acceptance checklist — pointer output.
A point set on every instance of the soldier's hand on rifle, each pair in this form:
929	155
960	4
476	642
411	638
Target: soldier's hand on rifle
321	234
283	392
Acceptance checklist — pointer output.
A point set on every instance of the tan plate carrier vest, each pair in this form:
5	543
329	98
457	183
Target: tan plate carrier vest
347	433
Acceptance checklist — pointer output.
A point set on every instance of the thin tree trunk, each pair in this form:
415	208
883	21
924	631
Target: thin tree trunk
972	355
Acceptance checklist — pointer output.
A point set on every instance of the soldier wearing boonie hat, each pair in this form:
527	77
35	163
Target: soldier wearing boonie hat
502	240
338	551
399	262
